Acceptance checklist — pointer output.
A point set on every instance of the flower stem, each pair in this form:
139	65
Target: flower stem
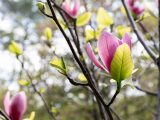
116	93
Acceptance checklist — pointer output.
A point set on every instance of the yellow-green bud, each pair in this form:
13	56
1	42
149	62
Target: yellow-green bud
15	48
48	33
41	6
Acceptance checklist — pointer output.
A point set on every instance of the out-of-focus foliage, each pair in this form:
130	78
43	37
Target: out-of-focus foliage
15	48
103	18
91	34
48	33
21	21
121	30
83	19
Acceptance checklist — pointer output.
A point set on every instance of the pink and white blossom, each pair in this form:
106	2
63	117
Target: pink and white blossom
107	45
135	7
71	7
15	107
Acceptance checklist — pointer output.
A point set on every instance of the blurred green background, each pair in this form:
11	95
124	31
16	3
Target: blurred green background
20	20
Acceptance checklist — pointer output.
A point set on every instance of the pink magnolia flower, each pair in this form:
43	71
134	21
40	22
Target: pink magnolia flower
16	106
107	45
71	7
138	10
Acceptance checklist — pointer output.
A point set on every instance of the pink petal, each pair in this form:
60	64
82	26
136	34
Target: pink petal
6	102
76	6
66	6
18	106
93	57
131	2
120	42
127	39
137	10
107	45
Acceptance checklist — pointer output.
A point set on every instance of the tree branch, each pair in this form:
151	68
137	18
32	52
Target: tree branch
158	64
135	29
118	118
152	38
159	24
36	91
63	13
76	83
115	95
145	91
84	70
59	8
4	115
46	14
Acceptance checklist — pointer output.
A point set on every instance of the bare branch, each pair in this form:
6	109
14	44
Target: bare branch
146	91
4	115
84	70
73	82
152	38
115	95
36	91
137	32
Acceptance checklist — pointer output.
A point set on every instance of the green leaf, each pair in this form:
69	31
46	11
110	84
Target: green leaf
121	30
150	22
123	11
48	33
83	19
32	116
144	16
103	18
91	34
81	77
42	90
15	48
59	64
24	82
122	63
54	110
63	25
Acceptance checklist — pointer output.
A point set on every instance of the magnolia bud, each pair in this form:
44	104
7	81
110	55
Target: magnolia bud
41	6
48	33
15	48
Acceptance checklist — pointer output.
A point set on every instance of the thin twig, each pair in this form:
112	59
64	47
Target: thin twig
63	13
101	107
115	95
77	36
85	72
118	118
152	38
146	91
158	64
4	115
102	110
73	51
35	89
54	3
74	20
159	23
137	32
46	14
75	82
